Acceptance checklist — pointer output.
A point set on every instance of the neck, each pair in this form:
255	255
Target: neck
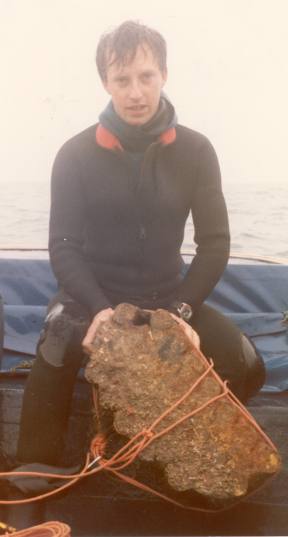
138	137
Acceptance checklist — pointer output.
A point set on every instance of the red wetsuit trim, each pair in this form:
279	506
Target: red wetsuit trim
106	139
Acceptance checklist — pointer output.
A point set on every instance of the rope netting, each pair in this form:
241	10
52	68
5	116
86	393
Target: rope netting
127	454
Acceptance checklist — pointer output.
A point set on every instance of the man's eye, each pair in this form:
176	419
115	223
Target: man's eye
147	76
122	81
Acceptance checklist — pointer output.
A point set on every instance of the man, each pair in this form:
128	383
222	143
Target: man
121	193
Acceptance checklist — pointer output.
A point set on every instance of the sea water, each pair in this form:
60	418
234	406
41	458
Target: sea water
258	215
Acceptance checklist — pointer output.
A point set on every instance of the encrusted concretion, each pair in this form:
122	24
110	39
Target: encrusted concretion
142	363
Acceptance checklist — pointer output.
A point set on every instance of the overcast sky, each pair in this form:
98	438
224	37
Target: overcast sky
228	78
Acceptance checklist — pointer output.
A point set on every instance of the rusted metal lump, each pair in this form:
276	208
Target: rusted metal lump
143	363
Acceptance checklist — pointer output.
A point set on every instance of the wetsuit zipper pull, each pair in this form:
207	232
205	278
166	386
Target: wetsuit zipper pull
142	233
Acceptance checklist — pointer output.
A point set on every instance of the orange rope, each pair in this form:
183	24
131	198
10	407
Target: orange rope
48	529
128	453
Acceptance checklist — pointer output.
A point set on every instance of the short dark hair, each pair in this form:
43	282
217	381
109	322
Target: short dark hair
122	43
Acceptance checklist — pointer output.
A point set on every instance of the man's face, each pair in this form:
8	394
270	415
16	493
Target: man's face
135	88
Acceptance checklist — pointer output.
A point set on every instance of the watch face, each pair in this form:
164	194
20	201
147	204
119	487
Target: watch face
185	311
186	314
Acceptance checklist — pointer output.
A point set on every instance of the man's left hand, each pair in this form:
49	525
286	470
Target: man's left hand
190	333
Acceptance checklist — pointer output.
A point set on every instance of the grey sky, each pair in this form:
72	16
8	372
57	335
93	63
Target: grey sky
228	78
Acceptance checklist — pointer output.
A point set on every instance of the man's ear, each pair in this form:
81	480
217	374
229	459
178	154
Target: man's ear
106	85
165	76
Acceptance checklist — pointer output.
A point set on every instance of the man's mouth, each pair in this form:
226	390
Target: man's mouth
137	108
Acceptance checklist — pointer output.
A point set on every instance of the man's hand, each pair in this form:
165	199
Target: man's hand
190	333
103	315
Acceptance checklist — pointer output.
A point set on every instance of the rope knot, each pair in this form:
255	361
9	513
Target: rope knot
147	433
98	445
225	387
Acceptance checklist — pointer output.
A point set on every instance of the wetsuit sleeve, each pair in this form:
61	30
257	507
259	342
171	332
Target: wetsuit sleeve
67	232
211	231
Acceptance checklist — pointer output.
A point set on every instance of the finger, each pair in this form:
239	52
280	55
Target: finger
101	317
91	332
87	347
189	331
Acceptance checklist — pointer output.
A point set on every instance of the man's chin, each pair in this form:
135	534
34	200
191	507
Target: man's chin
137	120
137	123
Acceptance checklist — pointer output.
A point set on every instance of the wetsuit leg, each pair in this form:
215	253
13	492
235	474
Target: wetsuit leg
234	356
50	384
256	374
1	328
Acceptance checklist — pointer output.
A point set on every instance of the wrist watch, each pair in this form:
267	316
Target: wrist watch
184	310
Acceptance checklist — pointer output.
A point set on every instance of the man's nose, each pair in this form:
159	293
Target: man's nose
135	90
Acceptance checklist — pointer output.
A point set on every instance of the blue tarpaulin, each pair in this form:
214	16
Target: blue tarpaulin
254	296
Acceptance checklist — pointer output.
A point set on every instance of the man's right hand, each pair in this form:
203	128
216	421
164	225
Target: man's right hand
101	317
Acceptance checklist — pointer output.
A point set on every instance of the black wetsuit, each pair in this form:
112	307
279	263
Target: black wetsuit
116	229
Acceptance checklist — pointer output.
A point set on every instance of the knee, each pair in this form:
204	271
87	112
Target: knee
239	362
60	341
255	369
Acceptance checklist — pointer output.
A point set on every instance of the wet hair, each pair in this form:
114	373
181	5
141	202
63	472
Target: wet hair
120	46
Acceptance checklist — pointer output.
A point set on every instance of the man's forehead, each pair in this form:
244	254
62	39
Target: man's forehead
143	55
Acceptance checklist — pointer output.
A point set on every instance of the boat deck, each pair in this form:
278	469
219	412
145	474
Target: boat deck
255	297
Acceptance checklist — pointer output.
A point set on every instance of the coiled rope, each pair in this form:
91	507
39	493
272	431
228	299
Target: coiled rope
47	529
